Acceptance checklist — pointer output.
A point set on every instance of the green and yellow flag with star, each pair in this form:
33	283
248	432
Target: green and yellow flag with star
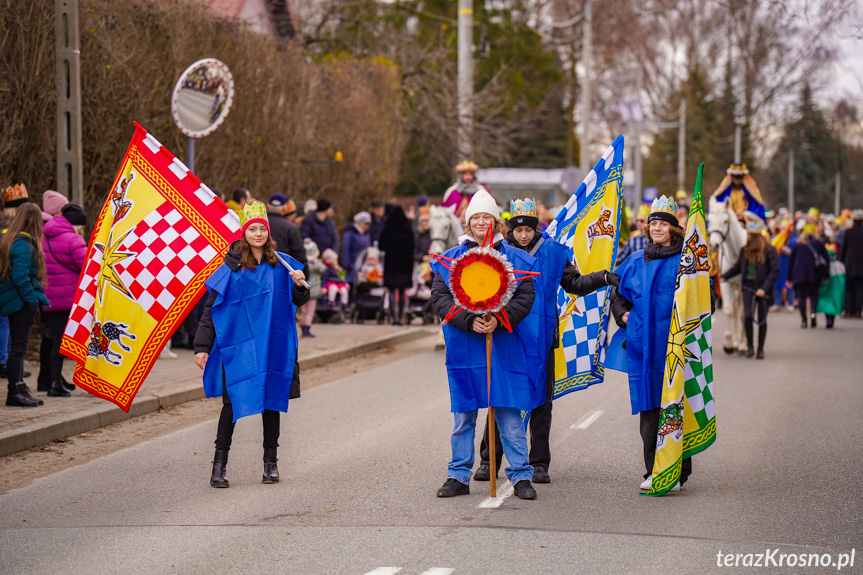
687	423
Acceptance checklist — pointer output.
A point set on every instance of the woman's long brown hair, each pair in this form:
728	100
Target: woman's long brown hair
754	249
27	220
248	261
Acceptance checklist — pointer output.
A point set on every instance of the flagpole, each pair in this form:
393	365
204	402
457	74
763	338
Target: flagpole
290	269
492	436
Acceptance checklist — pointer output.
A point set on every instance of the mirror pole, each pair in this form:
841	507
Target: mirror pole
190	160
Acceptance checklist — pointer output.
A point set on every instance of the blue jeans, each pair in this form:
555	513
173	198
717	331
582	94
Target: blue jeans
4	338
512	435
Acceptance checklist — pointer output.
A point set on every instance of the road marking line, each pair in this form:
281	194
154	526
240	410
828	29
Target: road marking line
589	418
503	491
384	571
438	571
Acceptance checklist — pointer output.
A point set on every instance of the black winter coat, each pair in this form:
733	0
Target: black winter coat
516	310
397	243
765	274
287	238
205	337
801	264
851	251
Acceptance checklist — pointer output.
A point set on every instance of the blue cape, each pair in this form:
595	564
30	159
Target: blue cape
514	357
753	205
551	258
256	337
650	288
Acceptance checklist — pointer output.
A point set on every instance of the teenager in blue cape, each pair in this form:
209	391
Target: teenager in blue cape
247	338
514	356
552	262
641	306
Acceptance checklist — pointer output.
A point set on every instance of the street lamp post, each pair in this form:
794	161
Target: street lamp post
586	55
465	78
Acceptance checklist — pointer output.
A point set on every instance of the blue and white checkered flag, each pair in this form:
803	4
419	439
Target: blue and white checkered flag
589	226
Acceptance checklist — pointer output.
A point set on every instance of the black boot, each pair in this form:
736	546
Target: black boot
57	389
17	395
747	327
220	462
762	335
67	385
812	321
271	472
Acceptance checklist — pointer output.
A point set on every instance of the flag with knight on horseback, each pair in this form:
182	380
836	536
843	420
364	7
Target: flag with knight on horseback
737	193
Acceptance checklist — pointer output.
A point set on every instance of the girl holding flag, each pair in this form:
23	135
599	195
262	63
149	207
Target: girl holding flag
243	344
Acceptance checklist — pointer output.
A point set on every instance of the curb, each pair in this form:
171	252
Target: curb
61	427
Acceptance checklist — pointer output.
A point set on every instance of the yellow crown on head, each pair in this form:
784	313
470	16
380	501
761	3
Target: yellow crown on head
737	170
466	166
525	207
664	204
254	211
643	211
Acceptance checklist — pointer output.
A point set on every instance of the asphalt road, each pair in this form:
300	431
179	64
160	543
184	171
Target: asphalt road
362	457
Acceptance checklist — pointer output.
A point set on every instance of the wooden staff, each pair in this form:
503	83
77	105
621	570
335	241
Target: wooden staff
491	432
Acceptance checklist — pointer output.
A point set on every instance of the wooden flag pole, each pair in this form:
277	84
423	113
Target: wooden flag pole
491	431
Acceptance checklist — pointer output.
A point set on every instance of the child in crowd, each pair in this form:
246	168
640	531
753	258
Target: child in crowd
372	271
316	270
333	280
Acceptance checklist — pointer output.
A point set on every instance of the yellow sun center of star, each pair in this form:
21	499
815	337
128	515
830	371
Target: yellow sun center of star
480	281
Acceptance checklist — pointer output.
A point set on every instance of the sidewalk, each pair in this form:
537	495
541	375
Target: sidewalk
171	382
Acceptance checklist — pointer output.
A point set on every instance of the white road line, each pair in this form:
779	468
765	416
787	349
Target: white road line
384	571
589	418
438	571
504	490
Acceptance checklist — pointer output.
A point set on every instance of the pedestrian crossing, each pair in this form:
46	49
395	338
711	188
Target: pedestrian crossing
394	570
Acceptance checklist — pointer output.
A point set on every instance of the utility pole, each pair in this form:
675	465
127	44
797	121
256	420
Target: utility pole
639	121
838	192
791	181
465	78
68	80
738	136
586	49
681	146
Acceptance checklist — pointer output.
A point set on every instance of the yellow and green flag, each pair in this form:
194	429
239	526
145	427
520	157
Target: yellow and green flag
687	423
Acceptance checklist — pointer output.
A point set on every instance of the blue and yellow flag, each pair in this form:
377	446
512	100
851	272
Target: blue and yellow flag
687	422
589	226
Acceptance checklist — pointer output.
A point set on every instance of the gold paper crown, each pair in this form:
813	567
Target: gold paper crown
643	210
17	192
466	166
664	204
737	170
525	207
254	211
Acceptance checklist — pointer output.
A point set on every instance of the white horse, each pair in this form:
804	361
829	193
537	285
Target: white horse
727	237
444	229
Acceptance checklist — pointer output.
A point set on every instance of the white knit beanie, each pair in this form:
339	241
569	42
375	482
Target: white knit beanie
481	203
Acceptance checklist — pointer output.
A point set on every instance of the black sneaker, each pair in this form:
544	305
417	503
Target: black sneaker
524	490
750	352
760	354
453	488
483	473
540	474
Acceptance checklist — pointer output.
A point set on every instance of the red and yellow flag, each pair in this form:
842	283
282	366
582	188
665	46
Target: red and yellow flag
160	235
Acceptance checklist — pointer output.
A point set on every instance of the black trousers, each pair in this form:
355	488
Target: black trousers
804	291
540	427
853	294
225	429
20	324
50	358
752	307
649	422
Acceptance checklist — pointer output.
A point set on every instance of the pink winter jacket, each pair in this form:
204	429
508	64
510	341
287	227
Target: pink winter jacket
64	258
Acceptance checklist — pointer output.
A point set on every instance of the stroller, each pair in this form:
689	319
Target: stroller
369	294
419	302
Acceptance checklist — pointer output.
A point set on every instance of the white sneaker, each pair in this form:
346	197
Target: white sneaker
168	354
647	484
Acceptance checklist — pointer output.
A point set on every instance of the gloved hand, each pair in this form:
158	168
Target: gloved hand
612	278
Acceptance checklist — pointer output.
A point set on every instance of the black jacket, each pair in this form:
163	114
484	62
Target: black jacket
766	273
287	238
516	310
205	337
851	251
801	264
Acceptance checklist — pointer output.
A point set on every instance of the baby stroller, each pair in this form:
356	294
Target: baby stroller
419	295
369	293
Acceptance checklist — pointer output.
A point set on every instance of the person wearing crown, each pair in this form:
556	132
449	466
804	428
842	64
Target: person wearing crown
512	389
246	349
641	305
552	261
458	195
739	188
759	265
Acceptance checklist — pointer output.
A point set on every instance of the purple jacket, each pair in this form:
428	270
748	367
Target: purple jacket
64	258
